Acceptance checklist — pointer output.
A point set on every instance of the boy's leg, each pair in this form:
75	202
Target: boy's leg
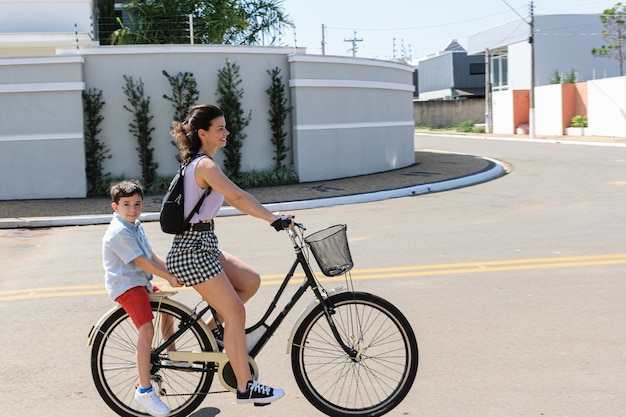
136	302
142	354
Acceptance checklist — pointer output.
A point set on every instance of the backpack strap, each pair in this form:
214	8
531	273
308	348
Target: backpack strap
196	208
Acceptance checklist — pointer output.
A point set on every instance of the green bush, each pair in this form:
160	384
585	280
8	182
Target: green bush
578	121
267	177
466	126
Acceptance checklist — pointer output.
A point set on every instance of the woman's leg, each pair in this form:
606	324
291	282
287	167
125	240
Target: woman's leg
245	280
222	296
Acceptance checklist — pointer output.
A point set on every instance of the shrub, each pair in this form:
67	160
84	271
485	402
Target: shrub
141	129
95	150
230	101
578	121
278	111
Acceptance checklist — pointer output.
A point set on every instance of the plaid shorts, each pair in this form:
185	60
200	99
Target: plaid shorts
193	257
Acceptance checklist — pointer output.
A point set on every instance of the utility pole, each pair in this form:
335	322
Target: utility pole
323	39
488	102
354	40
531	40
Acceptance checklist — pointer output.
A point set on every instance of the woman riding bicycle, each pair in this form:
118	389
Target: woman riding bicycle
223	281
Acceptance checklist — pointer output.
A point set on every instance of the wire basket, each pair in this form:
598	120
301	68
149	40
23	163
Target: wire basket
330	249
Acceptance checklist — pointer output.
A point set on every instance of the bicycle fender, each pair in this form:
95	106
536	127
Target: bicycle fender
96	327
160	296
307	310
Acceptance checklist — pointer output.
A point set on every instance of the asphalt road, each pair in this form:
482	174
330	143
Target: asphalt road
514	287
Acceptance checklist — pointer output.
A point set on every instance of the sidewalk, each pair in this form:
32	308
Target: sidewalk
432	172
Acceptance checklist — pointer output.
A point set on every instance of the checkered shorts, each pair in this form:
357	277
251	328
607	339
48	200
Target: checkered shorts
193	257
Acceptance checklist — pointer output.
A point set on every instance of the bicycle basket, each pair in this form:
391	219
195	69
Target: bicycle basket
330	249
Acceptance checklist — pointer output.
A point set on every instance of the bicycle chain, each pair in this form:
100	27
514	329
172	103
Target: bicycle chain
195	393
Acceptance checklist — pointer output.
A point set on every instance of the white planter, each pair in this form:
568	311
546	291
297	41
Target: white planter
575	131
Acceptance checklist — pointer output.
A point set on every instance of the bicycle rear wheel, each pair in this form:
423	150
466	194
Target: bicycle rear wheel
377	379
114	370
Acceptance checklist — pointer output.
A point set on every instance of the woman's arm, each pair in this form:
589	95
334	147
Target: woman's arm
208	173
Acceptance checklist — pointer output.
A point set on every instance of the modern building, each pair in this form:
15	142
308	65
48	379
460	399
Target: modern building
451	75
561	45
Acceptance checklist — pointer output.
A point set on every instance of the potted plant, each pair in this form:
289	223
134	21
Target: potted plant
577	126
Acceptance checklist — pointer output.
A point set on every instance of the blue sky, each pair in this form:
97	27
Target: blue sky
420	27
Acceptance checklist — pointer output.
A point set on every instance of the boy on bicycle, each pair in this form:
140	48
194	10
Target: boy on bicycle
129	263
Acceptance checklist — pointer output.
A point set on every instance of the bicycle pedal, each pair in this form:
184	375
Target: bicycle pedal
261	404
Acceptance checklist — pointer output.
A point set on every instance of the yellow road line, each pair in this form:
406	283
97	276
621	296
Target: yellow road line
363	274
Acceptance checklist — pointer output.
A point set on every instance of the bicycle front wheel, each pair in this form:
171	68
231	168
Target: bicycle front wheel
374	381
114	368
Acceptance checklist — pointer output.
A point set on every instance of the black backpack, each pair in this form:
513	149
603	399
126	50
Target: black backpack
172	217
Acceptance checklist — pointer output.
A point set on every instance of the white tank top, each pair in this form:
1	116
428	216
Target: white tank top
211	204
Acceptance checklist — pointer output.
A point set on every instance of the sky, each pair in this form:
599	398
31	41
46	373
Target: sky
388	29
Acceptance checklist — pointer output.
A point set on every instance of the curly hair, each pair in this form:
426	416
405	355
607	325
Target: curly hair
186	133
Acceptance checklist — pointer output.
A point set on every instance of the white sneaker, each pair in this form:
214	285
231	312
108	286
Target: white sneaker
151	402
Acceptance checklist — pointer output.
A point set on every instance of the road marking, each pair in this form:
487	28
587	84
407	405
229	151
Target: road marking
360	274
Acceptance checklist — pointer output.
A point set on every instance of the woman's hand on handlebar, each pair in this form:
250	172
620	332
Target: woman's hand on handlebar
282	222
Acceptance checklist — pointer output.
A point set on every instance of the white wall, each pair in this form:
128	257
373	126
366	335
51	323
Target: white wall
519	66
351	116
502	103
607	107
549	110
41	128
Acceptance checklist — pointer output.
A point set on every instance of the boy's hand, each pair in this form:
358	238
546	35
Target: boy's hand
174	282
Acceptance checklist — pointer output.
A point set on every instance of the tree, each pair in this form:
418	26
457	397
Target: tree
278	111
139	106
107	23
184	95
244	22
230	101
614	22
96	150
560	78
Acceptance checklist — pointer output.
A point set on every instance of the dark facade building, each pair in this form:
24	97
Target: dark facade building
451	75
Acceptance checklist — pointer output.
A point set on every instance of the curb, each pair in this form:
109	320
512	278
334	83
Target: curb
495	170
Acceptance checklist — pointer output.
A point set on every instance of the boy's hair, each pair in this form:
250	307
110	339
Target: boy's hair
125	188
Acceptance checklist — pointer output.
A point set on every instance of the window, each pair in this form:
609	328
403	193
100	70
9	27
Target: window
477	69
499	72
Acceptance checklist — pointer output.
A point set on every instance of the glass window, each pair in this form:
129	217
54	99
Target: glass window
499	72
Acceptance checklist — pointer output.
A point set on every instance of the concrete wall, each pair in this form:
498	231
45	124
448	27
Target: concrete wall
510	110
443	113
345	121
607	107
41	128
554	108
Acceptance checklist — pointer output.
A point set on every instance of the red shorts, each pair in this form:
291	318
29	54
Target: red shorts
136	303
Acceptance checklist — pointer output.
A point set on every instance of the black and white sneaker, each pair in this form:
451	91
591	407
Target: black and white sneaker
259	394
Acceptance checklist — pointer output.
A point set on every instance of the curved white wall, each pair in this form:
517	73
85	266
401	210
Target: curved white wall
351	116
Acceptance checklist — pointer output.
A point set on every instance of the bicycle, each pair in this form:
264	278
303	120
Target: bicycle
352	353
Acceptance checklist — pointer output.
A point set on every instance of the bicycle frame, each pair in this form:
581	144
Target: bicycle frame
309	282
